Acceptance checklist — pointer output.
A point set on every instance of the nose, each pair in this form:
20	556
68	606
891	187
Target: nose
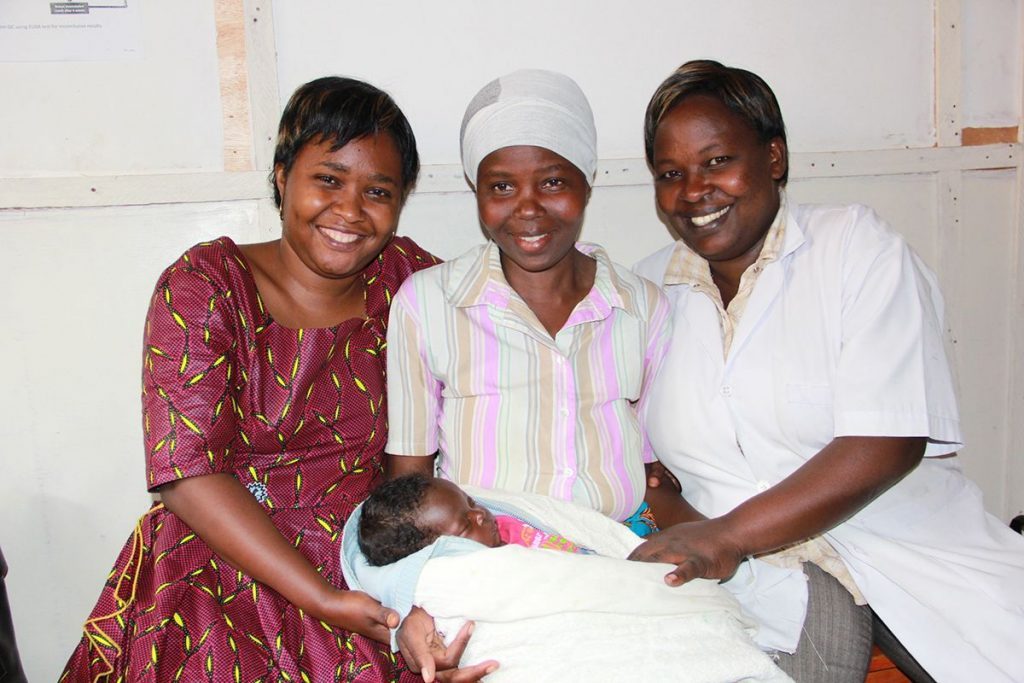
349	205
527	204
695	186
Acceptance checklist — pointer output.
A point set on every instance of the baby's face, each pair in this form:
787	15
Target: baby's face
447	510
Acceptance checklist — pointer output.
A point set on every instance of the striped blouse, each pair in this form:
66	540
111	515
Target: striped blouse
475	377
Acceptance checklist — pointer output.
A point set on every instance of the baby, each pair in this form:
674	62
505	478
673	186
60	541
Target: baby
529	607
409	513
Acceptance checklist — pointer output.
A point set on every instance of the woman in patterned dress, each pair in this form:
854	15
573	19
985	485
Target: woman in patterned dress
265	421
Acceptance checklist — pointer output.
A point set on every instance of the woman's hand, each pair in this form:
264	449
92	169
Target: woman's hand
425	653
357	612
700	550
228	518
835	484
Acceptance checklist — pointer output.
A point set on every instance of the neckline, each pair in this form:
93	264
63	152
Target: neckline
269	319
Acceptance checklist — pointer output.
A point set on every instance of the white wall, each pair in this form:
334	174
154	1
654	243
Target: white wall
856	79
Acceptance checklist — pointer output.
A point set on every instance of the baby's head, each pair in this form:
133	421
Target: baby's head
408	513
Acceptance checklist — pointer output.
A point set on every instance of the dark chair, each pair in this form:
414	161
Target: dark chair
10	663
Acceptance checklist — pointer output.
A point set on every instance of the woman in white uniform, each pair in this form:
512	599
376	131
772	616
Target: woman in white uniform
807	409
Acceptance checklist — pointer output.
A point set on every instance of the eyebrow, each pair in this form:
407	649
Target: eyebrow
707	149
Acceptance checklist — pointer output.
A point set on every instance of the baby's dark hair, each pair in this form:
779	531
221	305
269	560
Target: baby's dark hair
387	527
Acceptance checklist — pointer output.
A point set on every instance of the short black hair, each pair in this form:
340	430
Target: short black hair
743	92
387	527
340	110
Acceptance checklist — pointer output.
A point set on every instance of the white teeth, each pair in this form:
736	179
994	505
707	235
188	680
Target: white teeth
339	236
701	221
531	240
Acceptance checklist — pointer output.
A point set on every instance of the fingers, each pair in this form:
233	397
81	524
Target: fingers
379	632
468	674
389	618
414	642
686	570
441	666
453	653
674	578
419	660
426	667
647	552
661	473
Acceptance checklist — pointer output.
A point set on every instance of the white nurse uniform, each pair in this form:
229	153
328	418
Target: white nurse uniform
841	336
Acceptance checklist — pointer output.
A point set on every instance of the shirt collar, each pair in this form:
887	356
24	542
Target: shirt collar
480	281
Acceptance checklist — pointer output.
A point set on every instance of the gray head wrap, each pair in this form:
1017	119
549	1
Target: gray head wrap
530	107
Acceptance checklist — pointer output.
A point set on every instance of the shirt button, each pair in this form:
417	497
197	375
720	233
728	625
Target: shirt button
564	412
726	390
763	486
567	471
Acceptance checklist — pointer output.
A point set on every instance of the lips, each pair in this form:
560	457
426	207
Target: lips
709	218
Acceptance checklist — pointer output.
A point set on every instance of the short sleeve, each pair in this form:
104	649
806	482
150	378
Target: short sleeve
414	394
189	363
893	378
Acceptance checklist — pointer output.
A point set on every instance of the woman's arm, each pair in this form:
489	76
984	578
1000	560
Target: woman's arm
228	519
842	478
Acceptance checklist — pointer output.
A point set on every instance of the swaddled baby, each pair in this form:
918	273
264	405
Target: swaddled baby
409	513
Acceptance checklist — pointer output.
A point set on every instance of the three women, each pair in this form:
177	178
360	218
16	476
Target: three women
804	383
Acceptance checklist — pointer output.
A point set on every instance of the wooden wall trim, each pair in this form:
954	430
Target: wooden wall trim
186	188
234	85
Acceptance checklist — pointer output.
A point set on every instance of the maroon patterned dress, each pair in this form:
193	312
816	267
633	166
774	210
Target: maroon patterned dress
299	417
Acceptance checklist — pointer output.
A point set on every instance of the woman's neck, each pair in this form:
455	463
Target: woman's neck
295	297
552	294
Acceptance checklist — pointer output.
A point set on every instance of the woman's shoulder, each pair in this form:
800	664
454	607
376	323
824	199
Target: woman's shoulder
632	283
850	225
653	267
403	256
216	269
216	260
463	271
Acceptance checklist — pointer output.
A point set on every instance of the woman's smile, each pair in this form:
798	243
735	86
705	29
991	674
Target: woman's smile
533	243
707	219
340	237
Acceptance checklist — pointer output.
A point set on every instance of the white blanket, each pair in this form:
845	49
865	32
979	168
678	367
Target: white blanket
548	615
